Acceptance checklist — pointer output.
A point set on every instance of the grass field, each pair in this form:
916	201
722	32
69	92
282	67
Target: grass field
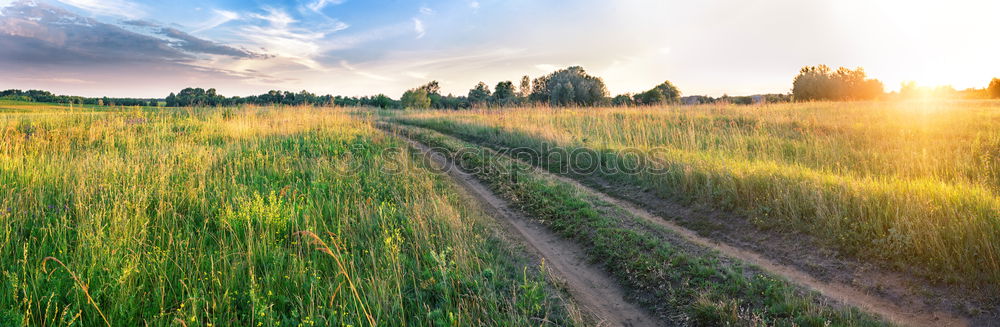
687	286
241	217
300	216
9	106
913	185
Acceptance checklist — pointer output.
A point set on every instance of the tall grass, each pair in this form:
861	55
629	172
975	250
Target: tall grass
913	184
682	285
241	216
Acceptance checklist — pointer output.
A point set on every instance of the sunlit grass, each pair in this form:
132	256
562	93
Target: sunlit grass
914	184
240	216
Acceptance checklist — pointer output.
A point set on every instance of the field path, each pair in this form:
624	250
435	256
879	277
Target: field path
846	294
890	311
591	287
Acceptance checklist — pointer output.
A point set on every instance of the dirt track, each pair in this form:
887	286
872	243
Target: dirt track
591	287
843	293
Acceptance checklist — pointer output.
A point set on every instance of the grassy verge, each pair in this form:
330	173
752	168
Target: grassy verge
242	217
943	230
685	286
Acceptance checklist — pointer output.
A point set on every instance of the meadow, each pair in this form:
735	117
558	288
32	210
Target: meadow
911	185
251	216
301	215
684	284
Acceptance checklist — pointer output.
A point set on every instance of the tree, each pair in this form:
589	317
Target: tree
432	88
172	100
416	99
568	87
525	86
623	100
994	89
651	97
666	92
504	94
820	83
480	94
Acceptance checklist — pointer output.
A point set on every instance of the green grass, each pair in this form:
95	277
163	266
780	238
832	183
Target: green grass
242	217
10	106
667	278
911	185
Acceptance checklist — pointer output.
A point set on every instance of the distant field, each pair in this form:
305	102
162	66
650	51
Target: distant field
911	184
8	106
240	217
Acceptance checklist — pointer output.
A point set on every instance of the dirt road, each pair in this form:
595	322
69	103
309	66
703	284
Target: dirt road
591	287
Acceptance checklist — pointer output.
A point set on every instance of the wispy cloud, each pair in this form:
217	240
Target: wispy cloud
320	4
284	40
418	27
36	37
426	10
109	7
220	17
354	40
191	43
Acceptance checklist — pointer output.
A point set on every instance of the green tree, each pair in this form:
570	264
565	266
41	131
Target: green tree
623	100
504	94
569	87
651	97
666	92
479	95
416	99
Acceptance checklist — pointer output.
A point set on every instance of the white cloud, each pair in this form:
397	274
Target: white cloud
320	4
426	11
3	4
418	27
474	4
109	7
220	17
276	17
283	40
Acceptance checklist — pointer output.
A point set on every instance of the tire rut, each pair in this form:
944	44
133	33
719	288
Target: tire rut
842	293
590	286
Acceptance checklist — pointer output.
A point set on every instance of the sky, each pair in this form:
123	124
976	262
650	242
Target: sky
146	48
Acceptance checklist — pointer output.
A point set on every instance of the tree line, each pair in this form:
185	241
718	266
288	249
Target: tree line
825	84
571	86
48	97
210	97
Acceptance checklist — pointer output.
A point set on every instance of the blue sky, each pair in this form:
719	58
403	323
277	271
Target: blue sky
357	47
